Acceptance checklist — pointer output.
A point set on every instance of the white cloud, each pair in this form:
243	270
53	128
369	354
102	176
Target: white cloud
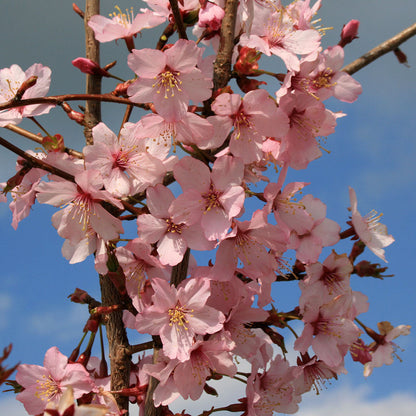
70	322
347	401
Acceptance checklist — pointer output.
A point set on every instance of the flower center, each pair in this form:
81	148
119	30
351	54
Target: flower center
178	316
172	227
211	199
47	389
167	81
124	19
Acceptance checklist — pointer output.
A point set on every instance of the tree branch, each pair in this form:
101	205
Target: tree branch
385	47
178	19
222	65
92	51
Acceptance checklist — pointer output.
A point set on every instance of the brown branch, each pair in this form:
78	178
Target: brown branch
222	65
93	82
37	163
59	99
178	19
385	47
38	139
140	347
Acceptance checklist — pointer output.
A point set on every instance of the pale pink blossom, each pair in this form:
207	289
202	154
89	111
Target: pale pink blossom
253	117
178	315
368	228
328	329
83	207
214	197
170	224
273	390
123	25
11	80
43	385
382	353
169	79
274	33
122	160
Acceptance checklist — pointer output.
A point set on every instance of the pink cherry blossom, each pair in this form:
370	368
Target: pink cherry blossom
178	315
274	33
43	385
214	197
123	25
323	232
172	225
11	80
83	207
254	117
368	228
328	329
124	163
169	79
384	351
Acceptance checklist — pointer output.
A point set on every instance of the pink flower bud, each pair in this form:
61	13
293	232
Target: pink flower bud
87	66
349	32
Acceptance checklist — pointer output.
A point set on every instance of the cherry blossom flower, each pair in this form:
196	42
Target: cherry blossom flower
122	160
169	79
383	352
178	315
123	25
214	197
274	33
172	225
253	117
368	228
11	80
83	207
328	329
43	385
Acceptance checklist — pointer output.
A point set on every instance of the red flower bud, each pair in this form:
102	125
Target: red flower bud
247	63
54	143
349	32
87	66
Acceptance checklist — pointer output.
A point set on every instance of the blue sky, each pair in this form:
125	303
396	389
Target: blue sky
373	150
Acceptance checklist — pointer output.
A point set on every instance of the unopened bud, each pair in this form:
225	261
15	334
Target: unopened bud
73	115
77	10
349	32
87	66
109	66
29	83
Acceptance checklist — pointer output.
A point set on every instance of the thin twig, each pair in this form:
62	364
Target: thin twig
178	19
385	47
37	163
59	99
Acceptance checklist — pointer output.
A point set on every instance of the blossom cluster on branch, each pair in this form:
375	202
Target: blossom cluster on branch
227	149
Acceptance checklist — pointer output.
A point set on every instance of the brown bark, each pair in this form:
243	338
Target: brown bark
222	65
93	86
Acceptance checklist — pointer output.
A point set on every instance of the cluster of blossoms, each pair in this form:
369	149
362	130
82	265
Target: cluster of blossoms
217	146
